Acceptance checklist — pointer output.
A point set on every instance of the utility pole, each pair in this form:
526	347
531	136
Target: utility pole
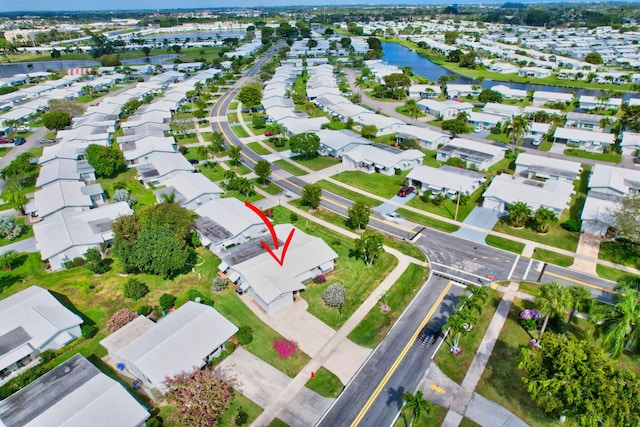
457	204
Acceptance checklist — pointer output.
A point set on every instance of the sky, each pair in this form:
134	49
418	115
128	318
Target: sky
62	5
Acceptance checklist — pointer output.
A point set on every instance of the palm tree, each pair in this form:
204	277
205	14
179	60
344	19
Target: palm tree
580	301
516	128
202	151
553	300
519	213
632	282
411	106
416	404
618	322
278	129
463	116
478	292
169	198
605	122
543	217
458	323
360	83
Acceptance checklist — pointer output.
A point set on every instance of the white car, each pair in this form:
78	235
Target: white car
392	216
478	129
537	141
23	129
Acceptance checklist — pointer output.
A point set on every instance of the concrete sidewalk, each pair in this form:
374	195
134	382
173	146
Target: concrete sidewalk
588	248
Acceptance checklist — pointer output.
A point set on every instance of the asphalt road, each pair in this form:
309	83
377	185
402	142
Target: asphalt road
397	364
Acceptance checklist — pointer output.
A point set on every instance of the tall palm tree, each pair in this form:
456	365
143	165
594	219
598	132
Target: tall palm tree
632	282
519	213
478	292
552	300
360	83
458	324
543	218
516	128
411	106
618	322
580	301
416	405
202	151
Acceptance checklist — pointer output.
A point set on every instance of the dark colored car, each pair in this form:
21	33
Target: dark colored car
6	140
19	141
194	161
429	334
405	191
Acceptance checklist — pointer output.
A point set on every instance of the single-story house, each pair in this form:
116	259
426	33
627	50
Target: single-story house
534	72
71	151
589	102
630	143
478	154
505	189
423	91
60	195
74	393
462	90
504	110
301	125
160	166
538	130
485	120
32	321
597	213
381	158
336	142
510	93
182	341
271	285
448	180
444	110
588	121
532	166
138	151
384	124
544	97
68	234
191	190
227	222
503	68
66	170
584	139
426	138
616	181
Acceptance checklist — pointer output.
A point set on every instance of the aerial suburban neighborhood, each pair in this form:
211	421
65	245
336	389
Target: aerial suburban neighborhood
365	215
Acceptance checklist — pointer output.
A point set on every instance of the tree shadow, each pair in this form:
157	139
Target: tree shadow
395	396
8	280
66	302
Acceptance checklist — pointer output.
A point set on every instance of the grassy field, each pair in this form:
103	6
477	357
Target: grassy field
215	173
447	208
605	157
455	367
552	257
428	221
318	163
376	183
325	383
191	138
557	236
620	253
239	131
375	325
611	273
348	194
238	168
506	244
258	148
291	168
144	196
239	401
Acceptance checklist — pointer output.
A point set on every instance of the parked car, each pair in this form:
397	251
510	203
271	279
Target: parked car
536	141
429	334
23	129
5	140
392	216
194	161
478	129
19	141
268	133
405	191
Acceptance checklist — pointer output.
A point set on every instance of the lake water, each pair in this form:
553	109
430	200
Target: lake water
8	70
400	56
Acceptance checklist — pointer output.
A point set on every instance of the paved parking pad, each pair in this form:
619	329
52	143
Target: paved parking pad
479	217
390	207
304	409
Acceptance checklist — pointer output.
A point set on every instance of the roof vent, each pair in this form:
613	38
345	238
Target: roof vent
198	299
67	369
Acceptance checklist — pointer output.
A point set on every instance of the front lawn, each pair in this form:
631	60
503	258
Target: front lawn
379	184
375	325
348	194
238	168
190	138
239	131
291	168
214	173
433	419
605	157
318	163
620	253
257	148
325	383
143	196
270	188
238	401
428	221
456	367
557	236
552	257
447	208
506	244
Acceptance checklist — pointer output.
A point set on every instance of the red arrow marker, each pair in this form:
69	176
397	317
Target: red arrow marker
266	220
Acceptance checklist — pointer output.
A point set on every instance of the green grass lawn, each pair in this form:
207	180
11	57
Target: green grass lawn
455	367
215	173
239	168
447	208
239	131
379	184
545	145
606	157
5	150
291	168
430	158
325	383
552	257
428	221
239	401
557	236
251	198
506	244
433	419
143	196
611	273
375	325
191	138
270	188
501	137
318	163
351	195
277	422
258	148
232	118
620	253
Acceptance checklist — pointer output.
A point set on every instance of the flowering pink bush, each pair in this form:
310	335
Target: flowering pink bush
320	278
120	318
268	213
285	348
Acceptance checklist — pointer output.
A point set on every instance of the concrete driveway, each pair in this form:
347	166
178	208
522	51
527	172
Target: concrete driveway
26	245
479	217
390	207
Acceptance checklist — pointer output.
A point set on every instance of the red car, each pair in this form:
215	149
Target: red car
6	140
268	133
405	191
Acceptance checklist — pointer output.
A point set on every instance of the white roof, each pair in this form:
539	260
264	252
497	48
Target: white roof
165	163
554	194
62	151
476	116
423	134
618	179
444	178
555	96
73	394
177	343
594	100
192	185
147	145
568	167
60	194
501	109
630	139
270	280
230	213
380	157
480	147
336	139
296	125
599	209
434	105
63	169
574	134
31	318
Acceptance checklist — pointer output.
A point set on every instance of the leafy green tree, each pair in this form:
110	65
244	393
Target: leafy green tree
617	323
311	195
57	120
450	37
412	109
335	296
18	171
107	161
543	218
369	131
182	123
416	405
305	145
235	152
516	128
553	299
166	302
263	170
488	95
95	263
250	96
358	215
8	260
369	247
146	50
397	80
519	213
593	58
135	289
217	141
571	377
625	219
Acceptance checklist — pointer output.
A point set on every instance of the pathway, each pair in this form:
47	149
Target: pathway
588	248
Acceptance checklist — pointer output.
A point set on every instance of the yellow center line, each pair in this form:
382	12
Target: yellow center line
400	357
580	282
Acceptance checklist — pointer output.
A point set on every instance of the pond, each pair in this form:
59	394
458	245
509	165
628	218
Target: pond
400	56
